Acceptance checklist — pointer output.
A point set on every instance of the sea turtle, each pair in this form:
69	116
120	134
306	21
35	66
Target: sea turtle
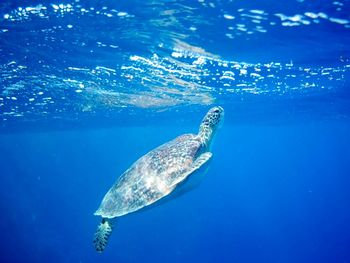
156	175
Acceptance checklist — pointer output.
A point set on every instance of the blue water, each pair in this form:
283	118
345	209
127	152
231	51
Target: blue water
88	87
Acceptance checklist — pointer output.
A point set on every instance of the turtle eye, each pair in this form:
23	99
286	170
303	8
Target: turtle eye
217	110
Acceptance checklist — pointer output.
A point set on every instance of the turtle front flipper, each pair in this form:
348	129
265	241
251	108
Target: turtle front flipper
198	163
102	234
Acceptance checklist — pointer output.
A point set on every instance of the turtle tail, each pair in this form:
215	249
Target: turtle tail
102	234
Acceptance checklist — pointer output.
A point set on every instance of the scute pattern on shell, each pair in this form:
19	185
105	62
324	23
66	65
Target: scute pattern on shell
151	177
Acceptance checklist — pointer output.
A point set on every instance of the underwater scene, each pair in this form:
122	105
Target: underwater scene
175	131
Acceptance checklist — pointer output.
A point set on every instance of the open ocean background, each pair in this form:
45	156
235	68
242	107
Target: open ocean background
88	87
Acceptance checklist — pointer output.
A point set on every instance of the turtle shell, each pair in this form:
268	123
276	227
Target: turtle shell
152	177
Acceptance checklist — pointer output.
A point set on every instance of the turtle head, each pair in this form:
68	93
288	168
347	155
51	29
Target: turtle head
210	123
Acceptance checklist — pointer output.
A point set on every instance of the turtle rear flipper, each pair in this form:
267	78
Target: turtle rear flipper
102	234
